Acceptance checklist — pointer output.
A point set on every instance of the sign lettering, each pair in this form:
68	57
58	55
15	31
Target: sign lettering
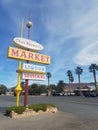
33	76
20	54
32	67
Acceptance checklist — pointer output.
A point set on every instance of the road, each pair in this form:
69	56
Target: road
75	113
72	104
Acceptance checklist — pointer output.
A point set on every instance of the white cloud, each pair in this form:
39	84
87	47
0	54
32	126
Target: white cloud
86	30
83	26
87	55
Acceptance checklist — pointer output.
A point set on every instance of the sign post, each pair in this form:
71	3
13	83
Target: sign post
29	24
18	88
27	50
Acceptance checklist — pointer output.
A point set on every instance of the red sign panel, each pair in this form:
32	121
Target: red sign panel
33	76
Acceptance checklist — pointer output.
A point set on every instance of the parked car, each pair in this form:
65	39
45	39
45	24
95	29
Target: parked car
57	94
90	94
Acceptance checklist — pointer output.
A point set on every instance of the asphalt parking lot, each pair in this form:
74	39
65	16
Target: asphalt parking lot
75	113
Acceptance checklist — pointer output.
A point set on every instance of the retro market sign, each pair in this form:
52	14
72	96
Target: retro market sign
27	44
33	76
20	54
35	68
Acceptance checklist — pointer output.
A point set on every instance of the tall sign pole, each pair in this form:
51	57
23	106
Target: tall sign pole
29	25
27	50
18	88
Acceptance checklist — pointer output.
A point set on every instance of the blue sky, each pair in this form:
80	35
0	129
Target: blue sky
68	30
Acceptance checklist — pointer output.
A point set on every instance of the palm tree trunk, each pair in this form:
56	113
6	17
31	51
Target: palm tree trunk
69	87
79	83
94	74
79	79
49	92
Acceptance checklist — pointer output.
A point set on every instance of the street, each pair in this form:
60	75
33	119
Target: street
71	104
75	113
78	105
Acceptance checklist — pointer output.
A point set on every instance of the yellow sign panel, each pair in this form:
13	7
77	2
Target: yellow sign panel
30	71
20	54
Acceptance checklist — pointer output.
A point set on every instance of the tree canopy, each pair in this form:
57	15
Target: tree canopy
3	89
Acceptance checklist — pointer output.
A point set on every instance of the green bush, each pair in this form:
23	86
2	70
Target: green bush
43	106
35	107
18	110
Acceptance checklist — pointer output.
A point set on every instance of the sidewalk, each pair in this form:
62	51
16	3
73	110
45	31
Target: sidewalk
58	121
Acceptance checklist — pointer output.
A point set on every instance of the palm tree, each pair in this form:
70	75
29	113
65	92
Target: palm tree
93	68
79	71
69	74
71	80
48	76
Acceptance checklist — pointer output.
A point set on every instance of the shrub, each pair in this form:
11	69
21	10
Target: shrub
35	107
43	106
18	110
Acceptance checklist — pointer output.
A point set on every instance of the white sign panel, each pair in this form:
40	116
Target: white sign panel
27	43
32	67
33	76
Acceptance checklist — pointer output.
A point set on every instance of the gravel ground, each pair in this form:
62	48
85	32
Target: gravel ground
58	121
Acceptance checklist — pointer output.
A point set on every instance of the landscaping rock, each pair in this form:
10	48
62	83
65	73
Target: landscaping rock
30	112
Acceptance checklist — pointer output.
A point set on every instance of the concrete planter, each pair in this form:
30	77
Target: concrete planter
30	112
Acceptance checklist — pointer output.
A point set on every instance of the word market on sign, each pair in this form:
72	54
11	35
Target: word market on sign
20	54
